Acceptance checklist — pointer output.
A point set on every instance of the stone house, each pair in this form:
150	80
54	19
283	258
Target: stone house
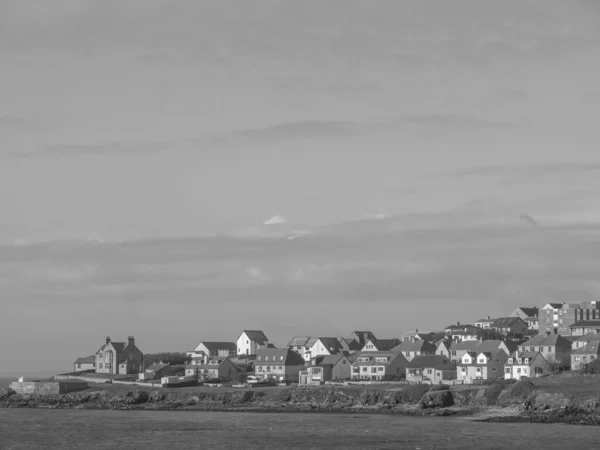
84	363
119	358
529	316
212	368
554	348
510	326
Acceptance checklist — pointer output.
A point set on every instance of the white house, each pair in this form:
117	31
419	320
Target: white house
527	364
250	341
325	346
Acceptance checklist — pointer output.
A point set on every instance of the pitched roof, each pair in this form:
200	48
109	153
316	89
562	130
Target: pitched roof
212	363
391	356
593	348
282	356
541	340
529	311
298	341
216	346
437	362
531	355
586	323
256	336
118	346
156	367
589	337
329	360
330	343
488	319
505	322
363	336
416	346
464	345
385	344
554	305
86	360
443	342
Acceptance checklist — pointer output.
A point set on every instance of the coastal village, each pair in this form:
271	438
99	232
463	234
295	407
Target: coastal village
530	342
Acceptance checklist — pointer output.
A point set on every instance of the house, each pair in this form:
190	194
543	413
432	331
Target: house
430	368
325	346
554	348
443	348
461	333
362	337
210	349
327	368
250	341
119	358
526	364
412	349
585	340
416	335
584	327
484	324
158	370
215	367
282	364
529	316
85	363
458	349
481	366
379	366
510	326
350	345
298	343
584	355
380	345
308	347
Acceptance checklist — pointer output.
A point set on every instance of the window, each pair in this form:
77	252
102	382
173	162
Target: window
260	368
79	365
364	369
577	358
453	352
493	369
463	369
266	358
380	369
101	366
497	360
550	349
428	371
343	361
268	368
373	369
280	367
507	370
407	353
259	358
520	360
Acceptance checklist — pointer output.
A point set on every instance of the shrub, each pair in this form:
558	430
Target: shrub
592	367
504	382
492	393
413	393
439	387
394	377
522	389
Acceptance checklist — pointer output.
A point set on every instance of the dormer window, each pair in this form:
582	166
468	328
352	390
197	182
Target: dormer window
510	360
526	360
520	360
266	358
259	358
281	358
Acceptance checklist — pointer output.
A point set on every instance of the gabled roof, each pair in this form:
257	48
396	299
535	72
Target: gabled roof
593	348
464	345
330	343
586	323
329	360
486	320
443	343
298	341
530	355
553	305
541	340
529	311
216	346
437	362
156	367
416	346
384	344
280	356
86	360
391	356
257	336
589	337
505	322
212	363
363	336
311	341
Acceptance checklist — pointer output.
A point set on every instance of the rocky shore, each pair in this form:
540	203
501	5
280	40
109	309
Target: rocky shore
518	402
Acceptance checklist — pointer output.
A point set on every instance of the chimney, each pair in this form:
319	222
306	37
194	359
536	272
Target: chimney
458	324
107	339
130	340
547	333
488	317
417	331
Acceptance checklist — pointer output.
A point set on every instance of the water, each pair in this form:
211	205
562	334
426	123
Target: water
84	429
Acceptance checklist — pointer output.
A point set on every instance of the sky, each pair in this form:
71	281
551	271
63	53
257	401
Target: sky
181	170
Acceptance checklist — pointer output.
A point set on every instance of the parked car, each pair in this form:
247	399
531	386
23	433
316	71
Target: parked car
251	379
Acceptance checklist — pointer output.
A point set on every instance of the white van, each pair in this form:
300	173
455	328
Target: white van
251	379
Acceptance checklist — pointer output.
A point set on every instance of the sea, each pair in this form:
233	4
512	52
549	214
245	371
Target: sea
88	429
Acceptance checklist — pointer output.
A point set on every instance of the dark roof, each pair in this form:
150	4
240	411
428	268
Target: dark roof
329	360
541	340
485	320
529	311
256	336
298	341
118	346
391	356
589	337
385	344
505	322
586	323
437	362
556	305
86	360
215	346
363	336
281	356
531	355
332	344
416	346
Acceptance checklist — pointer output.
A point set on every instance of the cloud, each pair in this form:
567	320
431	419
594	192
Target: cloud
275	220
